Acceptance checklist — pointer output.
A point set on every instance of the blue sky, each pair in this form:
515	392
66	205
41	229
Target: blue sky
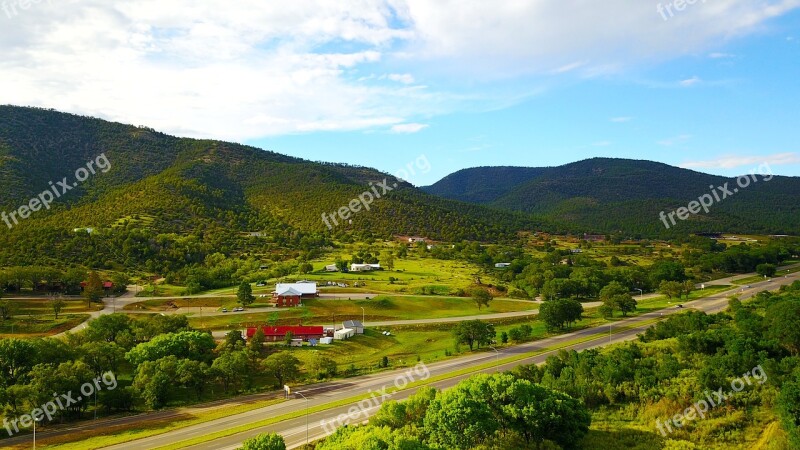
464	83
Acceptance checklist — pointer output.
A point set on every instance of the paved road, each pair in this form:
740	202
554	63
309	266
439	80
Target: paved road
294	431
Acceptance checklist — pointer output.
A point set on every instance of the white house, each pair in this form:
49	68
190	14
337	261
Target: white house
415	239
502	265
331	268
364	267
344	333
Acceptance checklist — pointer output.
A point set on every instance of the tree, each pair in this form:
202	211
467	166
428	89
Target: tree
481	407
234	340
93	290
283	366
323	366
102	356
306	268
687	288
267	441
245	294
557	314
287	338
7	309
482	297
154	381
671	288
473	332
783	324
192	375
256	343
56	304
615	296
231	368
185	345
766	270
388	260
272	319
107	328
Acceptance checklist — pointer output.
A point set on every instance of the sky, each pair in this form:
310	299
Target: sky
710	85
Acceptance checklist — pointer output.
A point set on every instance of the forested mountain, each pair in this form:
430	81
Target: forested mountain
618	195
173	198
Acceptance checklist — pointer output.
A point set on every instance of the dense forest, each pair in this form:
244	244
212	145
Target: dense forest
617	195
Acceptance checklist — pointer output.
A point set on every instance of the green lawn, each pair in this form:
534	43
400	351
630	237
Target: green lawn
380	308
42	325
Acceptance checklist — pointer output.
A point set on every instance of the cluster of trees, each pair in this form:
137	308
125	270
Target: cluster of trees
164	357
708	255
50	279
484	411
691	353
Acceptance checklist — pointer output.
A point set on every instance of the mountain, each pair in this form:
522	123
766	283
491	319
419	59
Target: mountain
618	195
175	199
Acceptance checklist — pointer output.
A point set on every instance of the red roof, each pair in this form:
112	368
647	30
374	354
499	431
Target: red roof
282	330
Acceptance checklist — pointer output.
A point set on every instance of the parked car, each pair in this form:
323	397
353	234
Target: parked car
224	310
238	308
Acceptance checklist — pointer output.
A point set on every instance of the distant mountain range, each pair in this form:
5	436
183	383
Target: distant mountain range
620	195
162	192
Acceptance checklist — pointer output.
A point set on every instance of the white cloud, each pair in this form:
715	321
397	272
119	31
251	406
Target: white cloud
405	78
408	128
735	161
690	81
622	119
248	69
720	55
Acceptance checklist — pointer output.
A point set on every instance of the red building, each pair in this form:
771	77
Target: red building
289	297
275	334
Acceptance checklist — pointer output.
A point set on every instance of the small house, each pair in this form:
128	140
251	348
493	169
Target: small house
355	325
364	267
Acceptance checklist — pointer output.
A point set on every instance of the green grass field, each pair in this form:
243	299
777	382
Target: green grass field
39	326
380	308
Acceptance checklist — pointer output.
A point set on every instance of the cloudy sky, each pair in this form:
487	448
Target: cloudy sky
710	85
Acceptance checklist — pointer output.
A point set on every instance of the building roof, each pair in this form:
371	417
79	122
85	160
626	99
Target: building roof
288	292
281	331
301	288
352	324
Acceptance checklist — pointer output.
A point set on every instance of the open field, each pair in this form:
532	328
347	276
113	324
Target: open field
38	326
379	308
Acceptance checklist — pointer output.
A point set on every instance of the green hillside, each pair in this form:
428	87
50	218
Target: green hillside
173	199
617	195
